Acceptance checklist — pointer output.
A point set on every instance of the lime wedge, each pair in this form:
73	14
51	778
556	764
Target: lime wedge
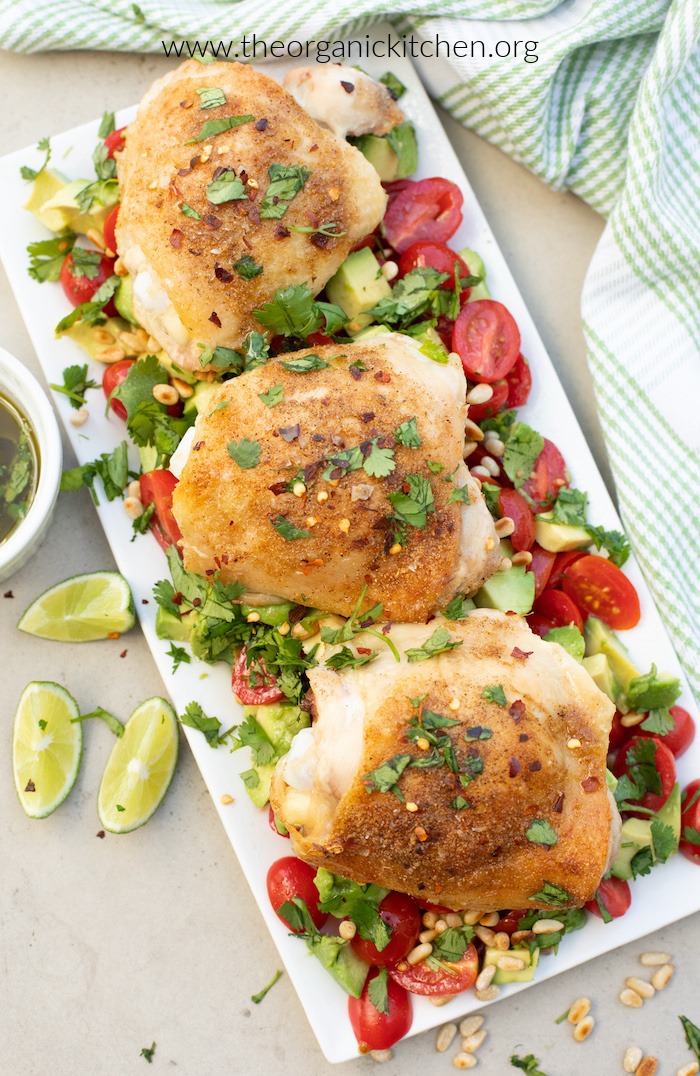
140	767
84	607
46	747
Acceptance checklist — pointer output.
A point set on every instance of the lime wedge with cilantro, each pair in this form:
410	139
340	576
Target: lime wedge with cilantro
140	767
46	747
85	607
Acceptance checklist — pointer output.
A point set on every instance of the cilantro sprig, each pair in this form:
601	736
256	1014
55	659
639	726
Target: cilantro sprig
111	467
438	643
293	311
75	384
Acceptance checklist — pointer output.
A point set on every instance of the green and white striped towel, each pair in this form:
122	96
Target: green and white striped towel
611	111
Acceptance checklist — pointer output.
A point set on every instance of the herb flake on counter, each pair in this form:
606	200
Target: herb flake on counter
496	694
227	188
285	183
113	723
75	384
541	832
439	643
211	128
272	396
246	267
288	530
528	1064
257	998
692	1035
210	97
30	174
148	1051
245	453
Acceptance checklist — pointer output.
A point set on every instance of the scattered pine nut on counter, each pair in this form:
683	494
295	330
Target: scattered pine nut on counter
632	1058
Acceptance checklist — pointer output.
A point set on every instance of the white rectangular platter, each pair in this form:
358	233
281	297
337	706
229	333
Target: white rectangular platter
669	893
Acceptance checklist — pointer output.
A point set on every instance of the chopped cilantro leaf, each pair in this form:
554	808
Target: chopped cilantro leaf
410	298
44	146
294	312
412	508
385	777
407	434
528	1064
305	364
659	721
113	723
379	462
495	694
459	803
552	894
460	495
439	643
245	453
195	718
360	903
111	467
288	530
451	945
210	97
84	263
215	127
523	448
378	992
285	182
148	1051
75	384
395	87
179	656
541	832
616	544
46	256
227	188
246	267
257	998
345	659
692	1035
459	608
651	692
188	211
91	313
272	396
478	732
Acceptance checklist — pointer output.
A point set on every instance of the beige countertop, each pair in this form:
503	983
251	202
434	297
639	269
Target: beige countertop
109	945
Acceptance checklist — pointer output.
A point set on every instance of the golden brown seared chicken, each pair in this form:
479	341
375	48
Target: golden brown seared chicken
509	788
353	478
193	208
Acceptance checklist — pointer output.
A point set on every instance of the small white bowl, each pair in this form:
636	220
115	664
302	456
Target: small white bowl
23	390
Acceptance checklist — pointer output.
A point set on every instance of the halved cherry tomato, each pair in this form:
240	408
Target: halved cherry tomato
319	340
615	895
508	924
428	253
115	141
264	688
519	383
478	412
562	562
665	766
679	739
452	979
559	607
486	339
541	567
108	230
428	209
439	909
444	329
690	822
375	1030
272	823
402	916
513	504
291	877
113	376
547	478
80	289
541	625
157	488
618	732
599	587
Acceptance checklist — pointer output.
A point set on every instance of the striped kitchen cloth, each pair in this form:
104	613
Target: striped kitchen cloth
610	109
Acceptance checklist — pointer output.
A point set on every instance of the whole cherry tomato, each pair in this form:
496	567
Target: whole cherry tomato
81	287
114	374
291	877
614	894
679	739
376	1030
426	253
402	916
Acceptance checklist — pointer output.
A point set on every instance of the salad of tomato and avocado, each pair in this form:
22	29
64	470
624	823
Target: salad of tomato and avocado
560	571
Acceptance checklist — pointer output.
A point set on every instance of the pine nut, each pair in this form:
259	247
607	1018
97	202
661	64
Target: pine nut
469	447
420	952
464	1061
580	1008
633	1055
519	936
134	489
524	556
648	1066
453	919
131	342
471	1043
96	237
390	270
472	431
547	926
444	1037
439	1002
662	977
429	920
502	940
505	565
653	960
504	526
470	1025
183	390
489	993
485	976
632	999
133	507
440	926
480	394
103	336
347	930
644	989
427	936
691	1069
79	418
489	919
110	354
510	963
497	448
491	466
485	935
253	618
381	1056
583	1028
153	344
120	269
480	472
628	721
470	918
165	394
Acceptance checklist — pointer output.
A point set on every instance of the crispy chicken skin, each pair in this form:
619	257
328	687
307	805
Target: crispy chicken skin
343	99
479	856
186	291
227	514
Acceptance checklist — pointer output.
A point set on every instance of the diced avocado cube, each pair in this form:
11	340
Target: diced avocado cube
559	537
634	835
46	185
601	640
148	455
357	287
610	781
85	334
200	399
63	206
476	267
509	591
257	781
372	330
493	955
178	628
395	155
123	299
432	346
340	959
598	668
570	638
273	615
280	723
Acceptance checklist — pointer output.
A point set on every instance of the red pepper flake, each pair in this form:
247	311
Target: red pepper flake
517	710
123	653
176	238
558	803
174	189
184	171
523	737
246	241
383	377
533	767
224	558
364	650
31	787
281	232
214	317
211	222
8	594
197	253
254	213
196	448
367	416
387	627
349	87
100	833
590	784
320	240
177	598
197	602
223	275
144	601
516	652
277	488
220	171
290	433
314	147
261	125
355	373
513	767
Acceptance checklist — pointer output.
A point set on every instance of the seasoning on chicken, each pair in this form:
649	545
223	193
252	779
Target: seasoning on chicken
334	468
343	99
229	191
473	779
